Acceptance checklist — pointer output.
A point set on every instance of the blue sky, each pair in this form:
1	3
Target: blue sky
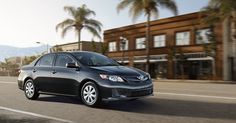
25	22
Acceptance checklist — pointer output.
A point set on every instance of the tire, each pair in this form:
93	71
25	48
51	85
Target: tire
30	90
90	94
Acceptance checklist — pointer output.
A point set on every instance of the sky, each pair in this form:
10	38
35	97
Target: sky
25	22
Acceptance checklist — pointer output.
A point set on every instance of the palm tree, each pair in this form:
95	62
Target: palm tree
220	10
81	19
148	8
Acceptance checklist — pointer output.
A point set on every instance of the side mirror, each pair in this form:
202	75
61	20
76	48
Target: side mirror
71	65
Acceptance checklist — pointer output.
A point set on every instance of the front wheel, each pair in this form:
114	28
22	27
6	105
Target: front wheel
90	94
30	90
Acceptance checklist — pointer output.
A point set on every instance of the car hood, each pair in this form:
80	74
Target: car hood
119	70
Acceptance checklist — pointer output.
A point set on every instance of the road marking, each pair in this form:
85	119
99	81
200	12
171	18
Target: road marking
194	95
167	89
2	82
36	115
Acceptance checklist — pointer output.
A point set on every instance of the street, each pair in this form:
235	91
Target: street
173	102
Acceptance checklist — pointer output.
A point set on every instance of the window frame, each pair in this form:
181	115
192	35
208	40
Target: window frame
154	42
38	63
196	36
127	43
55	61
183	44
113	46
139	43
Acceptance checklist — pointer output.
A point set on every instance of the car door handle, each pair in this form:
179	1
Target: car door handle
53	72
34	70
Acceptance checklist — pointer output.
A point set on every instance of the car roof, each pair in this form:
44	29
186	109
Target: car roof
71	52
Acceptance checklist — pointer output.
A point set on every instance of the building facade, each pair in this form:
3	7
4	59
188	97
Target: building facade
85	46
180	47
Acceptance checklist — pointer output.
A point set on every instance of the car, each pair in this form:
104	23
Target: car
88	75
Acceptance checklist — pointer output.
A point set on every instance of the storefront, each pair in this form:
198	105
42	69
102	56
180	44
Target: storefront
196	66
158	65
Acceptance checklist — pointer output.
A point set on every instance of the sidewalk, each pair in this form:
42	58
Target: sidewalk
194	81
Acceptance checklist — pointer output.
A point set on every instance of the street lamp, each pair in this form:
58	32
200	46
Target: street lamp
43	44
123	44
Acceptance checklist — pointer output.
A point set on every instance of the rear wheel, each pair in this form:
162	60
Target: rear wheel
30	90
90	94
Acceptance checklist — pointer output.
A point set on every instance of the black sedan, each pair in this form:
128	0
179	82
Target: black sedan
87	75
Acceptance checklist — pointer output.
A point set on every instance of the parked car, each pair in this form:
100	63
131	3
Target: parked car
90	76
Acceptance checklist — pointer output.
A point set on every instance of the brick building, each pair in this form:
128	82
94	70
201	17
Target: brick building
184	35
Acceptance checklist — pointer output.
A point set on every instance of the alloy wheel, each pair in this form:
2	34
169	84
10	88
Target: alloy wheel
29	89
89	94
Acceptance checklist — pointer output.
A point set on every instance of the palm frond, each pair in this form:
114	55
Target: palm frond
71	10
66	29
124	4
147	7
95	23
136	10
81	19
168	4
63	24
92	30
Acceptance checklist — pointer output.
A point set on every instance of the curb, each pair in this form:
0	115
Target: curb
194	81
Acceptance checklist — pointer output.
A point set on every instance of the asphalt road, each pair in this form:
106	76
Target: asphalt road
172	103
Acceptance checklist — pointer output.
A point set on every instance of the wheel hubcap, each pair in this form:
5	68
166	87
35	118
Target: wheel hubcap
29	89
89	94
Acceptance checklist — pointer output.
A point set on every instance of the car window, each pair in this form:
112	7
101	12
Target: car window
46	60
94	59
62	60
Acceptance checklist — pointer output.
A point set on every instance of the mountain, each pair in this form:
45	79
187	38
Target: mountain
9	51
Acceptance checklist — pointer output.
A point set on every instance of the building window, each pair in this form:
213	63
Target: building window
202	36
183	38
124	45
160	41
112	46
140	43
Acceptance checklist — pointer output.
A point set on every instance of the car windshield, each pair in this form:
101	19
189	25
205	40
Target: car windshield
94	59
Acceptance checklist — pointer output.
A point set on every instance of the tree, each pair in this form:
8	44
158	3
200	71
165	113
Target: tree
180	58
149	8
220	10
10	68
28	59
81	19
104	48
94	47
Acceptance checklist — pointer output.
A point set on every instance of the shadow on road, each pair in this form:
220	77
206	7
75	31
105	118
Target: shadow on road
176	108
60	99
162	107
8	119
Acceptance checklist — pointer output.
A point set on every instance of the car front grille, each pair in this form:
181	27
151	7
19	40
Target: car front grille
135	93
133	79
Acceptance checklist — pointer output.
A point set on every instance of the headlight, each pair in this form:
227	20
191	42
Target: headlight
149	76
112	78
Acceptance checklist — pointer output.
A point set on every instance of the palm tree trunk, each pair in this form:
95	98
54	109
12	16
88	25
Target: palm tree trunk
234	41
182	69
147	43
79	40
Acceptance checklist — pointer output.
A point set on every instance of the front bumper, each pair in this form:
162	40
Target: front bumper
114	93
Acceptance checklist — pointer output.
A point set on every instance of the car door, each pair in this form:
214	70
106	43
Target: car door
65	79
42	73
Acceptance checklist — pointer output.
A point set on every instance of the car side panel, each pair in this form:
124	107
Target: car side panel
42	78
65	80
